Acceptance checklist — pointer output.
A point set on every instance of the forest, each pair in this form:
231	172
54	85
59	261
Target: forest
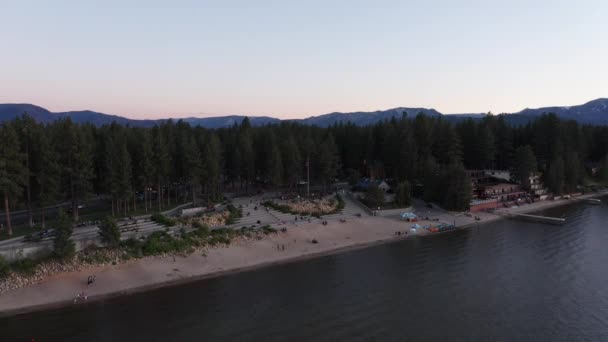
151	168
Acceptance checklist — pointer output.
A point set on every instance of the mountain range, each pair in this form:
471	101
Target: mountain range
593	112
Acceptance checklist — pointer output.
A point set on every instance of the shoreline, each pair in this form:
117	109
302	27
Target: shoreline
182	281
147	274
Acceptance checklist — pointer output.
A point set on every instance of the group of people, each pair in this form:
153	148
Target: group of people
80	297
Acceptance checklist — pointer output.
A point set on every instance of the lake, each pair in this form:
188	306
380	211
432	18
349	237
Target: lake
504	281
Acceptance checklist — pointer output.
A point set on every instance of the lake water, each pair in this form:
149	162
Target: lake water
506	281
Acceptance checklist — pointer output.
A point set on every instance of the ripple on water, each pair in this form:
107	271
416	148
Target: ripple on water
508	280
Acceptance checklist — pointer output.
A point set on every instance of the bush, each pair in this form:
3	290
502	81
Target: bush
280	207
268	229
24	266
64	247
374	196
109	232
4	267
162	219
235	214
403	194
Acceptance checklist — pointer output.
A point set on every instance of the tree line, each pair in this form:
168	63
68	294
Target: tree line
151	168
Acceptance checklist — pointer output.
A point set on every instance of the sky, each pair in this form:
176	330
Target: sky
294	59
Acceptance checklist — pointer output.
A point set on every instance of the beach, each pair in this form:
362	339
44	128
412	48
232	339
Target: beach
294	244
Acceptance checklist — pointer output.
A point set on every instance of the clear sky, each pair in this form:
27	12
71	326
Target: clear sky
290	59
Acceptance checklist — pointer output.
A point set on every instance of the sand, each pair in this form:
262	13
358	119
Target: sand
147	273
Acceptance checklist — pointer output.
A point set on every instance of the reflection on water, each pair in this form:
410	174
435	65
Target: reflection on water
507	281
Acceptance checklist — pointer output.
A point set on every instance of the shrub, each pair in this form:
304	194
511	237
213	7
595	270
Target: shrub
235	214
374	196
403	195
64	247
4	267
162	219
24	266
268	229
109	232
279	207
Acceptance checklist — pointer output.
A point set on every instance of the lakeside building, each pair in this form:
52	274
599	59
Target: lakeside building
504	192
483	205
493	188
365	183
536	187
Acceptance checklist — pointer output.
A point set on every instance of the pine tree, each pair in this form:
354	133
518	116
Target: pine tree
77	164
47	174
603	171
525	164
109	232
403	194
160	162
572	172
406	156
212	166
25	127
292	161
459	189
246	154
275	163
12	170
121	175
192	165
486	147
64	247
374	197
327	159
555	177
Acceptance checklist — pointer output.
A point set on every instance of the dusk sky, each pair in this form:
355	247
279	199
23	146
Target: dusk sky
292	59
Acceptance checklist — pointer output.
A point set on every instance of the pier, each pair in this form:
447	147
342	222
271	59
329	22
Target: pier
535	218
593	201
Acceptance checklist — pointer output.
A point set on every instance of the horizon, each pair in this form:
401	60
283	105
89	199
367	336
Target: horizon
290	60
168	116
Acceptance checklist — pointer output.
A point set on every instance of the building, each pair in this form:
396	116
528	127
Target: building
504	175
365	183
483	205
489	183
536	187
504	192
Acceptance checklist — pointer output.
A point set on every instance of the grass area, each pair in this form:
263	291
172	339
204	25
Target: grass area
25	266
235	214
285	209
86	214
161	242
158	243
163	220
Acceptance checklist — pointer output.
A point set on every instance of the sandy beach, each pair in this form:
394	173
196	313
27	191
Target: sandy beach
148	273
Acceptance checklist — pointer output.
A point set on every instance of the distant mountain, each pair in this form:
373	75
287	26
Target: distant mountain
366	118
11	110
231	120
592	112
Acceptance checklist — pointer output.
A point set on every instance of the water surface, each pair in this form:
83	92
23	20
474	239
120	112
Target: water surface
505	281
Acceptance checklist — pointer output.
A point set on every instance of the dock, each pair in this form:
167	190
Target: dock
535	218
593	201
